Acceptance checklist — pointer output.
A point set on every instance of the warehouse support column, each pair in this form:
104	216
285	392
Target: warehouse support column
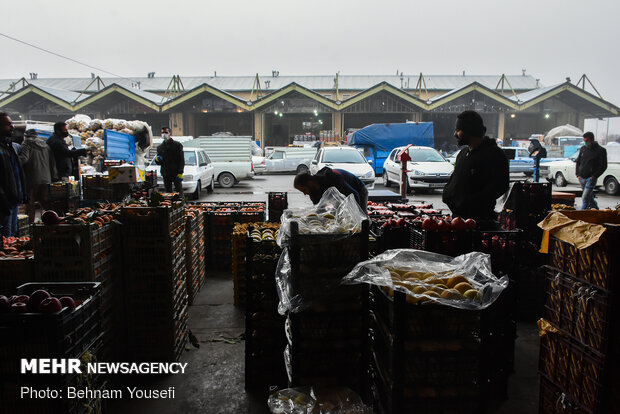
176	124
337	124
501	124
258	128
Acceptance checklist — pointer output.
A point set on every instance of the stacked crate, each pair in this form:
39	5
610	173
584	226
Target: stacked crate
84	253
579	355
264	326
155	289
64	334
423	358
276	204
239	269
64	196
194	252
326	335
23	225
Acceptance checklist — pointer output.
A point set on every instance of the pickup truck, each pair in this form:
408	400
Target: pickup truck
284	159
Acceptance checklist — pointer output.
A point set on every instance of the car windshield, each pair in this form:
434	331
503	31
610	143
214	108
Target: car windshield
190	157
425	155
344	157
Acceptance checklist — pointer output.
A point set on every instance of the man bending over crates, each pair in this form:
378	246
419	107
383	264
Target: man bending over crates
170	157
345	182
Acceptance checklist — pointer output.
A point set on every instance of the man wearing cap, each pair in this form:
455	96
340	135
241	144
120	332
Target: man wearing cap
39	168
12	184
481	173
591	163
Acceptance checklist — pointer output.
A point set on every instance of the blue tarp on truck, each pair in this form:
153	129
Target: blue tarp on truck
378	140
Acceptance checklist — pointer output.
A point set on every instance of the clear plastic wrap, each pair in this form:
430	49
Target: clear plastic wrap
335	215
464	282
313	400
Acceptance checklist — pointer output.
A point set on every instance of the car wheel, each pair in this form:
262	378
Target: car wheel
226	180
210	186
611	186
560	181
196	194
302	169
386	182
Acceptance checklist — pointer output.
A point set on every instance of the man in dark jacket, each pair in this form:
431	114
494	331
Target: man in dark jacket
39	168
170	157
64	158
481	172
12	183
591	163
344	181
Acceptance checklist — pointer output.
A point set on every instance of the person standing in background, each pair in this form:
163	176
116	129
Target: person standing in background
64	158
170	157
12	183
591	163
39	168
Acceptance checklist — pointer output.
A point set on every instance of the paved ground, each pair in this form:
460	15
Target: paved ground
214	382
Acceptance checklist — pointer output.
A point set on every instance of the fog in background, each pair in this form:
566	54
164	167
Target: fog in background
550	39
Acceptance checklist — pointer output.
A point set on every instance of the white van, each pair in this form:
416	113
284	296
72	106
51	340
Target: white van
231	157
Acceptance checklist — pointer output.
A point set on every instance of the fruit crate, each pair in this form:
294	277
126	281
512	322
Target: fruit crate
15	272
579	309
63	191
277	201
64	334
504	246
10	388
194	254
449	243
597	264
319	262
74	240
151	221
63	206
23	225
575	369
553	400
390	237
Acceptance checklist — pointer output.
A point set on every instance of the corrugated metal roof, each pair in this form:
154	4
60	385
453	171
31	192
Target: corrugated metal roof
317	83
528	96
65	95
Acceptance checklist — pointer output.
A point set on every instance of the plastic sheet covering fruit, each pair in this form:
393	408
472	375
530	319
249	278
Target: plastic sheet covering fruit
313	400
464	282
335	215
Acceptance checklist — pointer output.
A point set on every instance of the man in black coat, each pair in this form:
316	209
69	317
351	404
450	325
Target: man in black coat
481	173
65	158
170	157
12	183
591	163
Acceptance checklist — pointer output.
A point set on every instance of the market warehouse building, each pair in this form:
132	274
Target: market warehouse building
275	109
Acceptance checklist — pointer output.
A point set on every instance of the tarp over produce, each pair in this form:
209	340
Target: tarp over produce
385	137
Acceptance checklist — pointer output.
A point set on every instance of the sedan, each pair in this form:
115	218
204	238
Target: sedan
345	158
197	174
427	170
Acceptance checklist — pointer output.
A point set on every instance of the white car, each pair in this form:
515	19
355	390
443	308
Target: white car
427	170
345	158
197	174
258	164
563	173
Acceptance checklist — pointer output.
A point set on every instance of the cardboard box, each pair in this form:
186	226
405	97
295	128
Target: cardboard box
125	174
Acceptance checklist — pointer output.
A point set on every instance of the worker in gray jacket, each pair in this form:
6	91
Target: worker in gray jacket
39	169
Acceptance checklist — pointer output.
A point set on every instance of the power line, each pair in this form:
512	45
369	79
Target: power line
63	57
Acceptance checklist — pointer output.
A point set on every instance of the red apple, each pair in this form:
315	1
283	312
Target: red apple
67	302
4	304
36	298
429	224
50	305
471	224
20	307
50	217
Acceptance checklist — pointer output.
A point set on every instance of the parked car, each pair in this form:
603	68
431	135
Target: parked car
345	158
289	159
258	161
197	174
522	163
428	169
563	173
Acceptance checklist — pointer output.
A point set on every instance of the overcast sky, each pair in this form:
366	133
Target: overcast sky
550	39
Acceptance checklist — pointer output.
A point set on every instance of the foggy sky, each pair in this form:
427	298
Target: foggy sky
551	39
